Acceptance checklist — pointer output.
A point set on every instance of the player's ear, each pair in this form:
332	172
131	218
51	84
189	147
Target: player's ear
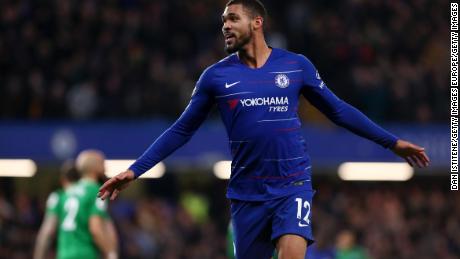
258	22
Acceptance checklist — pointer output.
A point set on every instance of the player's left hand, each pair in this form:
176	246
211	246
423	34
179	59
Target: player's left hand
112	187
413	154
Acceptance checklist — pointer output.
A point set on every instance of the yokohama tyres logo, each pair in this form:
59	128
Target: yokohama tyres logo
264	101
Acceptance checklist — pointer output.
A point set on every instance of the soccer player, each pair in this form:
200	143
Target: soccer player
69	175
256	90
231	243
85	229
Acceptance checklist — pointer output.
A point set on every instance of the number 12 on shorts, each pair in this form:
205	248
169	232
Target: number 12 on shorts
300	207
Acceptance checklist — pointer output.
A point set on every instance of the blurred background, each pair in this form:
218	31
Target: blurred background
113	75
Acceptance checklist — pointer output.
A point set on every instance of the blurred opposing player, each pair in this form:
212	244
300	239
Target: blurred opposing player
256	90
85	228
68	176
231	243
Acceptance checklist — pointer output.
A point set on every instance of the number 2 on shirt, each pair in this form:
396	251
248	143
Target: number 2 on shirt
71	208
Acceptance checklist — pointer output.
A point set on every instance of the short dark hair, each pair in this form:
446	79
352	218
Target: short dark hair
69	171
255	7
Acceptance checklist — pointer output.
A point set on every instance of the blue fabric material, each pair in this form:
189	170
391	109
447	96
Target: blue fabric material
259	110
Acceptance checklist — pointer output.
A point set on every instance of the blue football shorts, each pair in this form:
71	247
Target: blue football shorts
258	224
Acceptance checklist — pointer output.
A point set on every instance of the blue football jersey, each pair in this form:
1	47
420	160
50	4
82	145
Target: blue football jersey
259	109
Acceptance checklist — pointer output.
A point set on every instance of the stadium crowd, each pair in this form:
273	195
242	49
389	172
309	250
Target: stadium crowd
86	60
417	219
137	58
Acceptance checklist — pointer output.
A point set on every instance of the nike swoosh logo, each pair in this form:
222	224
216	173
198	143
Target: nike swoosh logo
303	225
230	85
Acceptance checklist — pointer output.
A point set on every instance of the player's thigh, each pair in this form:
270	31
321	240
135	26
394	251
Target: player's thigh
293	217
252	230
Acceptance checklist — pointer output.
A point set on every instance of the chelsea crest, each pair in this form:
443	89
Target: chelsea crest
282	80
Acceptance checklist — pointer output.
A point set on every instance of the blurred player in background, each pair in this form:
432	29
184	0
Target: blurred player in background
85	228
69	175
256	90
231	243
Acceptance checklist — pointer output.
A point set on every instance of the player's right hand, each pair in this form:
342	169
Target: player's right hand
112	187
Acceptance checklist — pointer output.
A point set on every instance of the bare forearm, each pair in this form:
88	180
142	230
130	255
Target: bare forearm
112	235
44	236
102	238
102	242
41	246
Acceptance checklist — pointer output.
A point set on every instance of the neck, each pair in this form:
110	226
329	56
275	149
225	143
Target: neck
255	53
89	178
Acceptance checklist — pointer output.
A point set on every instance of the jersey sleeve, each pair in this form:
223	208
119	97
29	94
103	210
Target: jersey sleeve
52	204
340	112
182	130
99	207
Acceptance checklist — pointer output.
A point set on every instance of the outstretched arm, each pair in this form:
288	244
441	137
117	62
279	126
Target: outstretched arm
173	138
347	116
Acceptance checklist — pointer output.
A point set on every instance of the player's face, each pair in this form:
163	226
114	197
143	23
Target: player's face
237	28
